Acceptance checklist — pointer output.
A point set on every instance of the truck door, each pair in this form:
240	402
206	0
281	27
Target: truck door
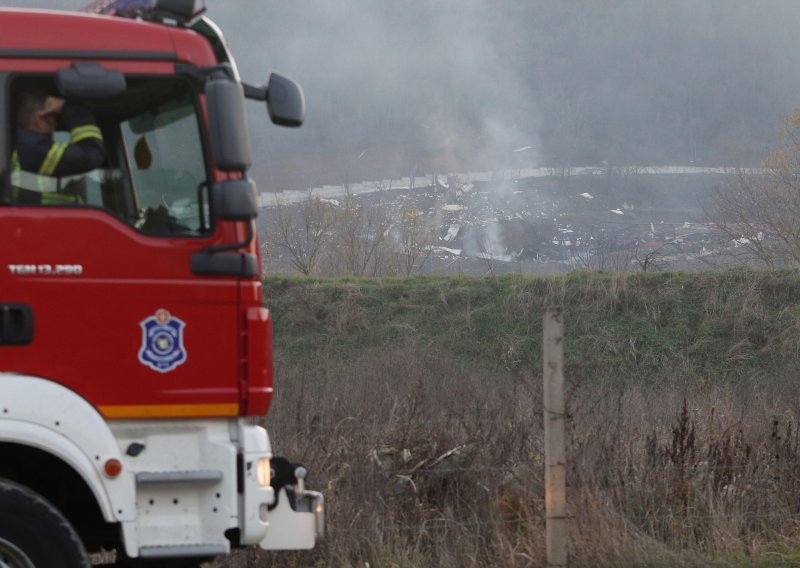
96	264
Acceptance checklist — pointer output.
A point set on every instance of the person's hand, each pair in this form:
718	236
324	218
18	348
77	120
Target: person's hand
53	105
47	118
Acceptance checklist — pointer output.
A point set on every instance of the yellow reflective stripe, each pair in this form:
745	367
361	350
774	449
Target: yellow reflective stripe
85	135
50	162
16	176
87	127
83	132
46	184
51	198
112	411
57	158
48	158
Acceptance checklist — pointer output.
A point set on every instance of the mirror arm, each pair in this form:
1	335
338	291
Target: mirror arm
223	248
202	203
200	74
255	93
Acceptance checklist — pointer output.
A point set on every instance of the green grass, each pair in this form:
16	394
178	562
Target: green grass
683	405
635	327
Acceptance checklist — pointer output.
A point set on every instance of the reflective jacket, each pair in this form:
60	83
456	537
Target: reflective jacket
40	154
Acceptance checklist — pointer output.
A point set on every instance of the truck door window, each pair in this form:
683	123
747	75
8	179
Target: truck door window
151	173
167	169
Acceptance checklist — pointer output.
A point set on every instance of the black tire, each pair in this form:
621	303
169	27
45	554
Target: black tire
165	563
34	533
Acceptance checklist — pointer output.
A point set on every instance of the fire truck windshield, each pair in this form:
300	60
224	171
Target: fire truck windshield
139	155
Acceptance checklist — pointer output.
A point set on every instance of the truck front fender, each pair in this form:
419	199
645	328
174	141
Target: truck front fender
47	416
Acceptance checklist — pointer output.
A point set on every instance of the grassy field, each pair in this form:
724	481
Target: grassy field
416	405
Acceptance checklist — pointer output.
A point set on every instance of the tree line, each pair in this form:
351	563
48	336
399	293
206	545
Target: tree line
351	239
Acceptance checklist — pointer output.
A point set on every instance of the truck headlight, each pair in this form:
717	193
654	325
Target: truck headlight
263	472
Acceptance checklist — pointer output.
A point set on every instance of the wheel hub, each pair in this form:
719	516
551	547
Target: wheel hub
12	557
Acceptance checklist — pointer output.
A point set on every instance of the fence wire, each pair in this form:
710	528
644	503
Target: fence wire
622	473
449	525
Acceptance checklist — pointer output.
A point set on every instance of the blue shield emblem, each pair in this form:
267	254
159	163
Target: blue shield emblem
162	342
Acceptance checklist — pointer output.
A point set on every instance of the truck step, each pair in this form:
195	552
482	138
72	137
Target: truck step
190	476
182	551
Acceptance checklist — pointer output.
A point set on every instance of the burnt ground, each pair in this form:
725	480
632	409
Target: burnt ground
551	223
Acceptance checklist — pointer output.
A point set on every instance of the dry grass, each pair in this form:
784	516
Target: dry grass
416	405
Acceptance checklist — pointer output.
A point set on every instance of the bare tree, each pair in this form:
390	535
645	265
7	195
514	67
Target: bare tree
484	253
600	250
361	232
653	259
758	212
413	240
303	234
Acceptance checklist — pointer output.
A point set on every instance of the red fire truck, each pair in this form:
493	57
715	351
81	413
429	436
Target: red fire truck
134	347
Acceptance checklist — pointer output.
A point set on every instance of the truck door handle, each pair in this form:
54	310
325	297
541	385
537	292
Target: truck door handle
16	324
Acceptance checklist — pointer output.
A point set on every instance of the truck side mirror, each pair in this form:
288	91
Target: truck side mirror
235	200
227	124
286	103
90	80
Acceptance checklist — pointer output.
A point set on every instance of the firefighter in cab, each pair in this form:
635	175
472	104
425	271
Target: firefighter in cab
39	162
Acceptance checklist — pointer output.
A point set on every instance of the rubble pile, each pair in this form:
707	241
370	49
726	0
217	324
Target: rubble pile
533	221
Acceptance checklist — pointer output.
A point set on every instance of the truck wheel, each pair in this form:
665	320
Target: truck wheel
165	563
34	534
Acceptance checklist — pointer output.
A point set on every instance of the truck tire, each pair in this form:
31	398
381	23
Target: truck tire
159	563
34	534
165	563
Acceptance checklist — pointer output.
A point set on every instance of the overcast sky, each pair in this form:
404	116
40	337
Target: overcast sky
459	84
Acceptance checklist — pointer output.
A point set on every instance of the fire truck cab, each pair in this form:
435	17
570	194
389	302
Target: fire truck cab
134	346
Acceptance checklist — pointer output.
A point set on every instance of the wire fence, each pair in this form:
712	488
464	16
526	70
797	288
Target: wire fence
598	470
448	525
